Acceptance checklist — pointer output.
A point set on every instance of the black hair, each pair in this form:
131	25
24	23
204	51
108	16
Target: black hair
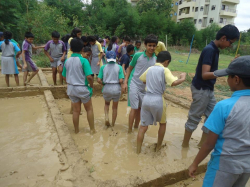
137	42
75	31
86	49
96	37
107	37
84	38
245	80
7	36
113	40
66	38
29	35
55	34
130	48
163	56
76	45
100	40
127	38
230	31
91	38
151	39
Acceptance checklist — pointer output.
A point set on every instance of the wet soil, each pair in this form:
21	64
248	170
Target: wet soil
34	82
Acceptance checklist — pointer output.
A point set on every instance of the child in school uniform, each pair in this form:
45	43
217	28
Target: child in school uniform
137	46
101	41
77	73
126	59
153	107
123	47
28	64
97	54
229	132
111	76
76	33
203	82
135	87
56	55
113	45
8	59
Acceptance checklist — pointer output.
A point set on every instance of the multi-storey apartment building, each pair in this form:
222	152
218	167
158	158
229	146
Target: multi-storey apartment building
205	12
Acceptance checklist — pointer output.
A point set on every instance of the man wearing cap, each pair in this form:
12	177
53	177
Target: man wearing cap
229	132
111	76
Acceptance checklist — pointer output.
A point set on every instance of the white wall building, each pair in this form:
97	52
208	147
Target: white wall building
205	12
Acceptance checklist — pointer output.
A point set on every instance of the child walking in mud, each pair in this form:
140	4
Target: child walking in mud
135	87
77	73
111	76
202	87
153	108
229	130
28	64
56	55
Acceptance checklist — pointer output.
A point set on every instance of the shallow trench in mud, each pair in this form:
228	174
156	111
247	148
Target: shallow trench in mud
110	154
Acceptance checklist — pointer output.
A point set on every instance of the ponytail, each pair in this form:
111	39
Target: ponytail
113	40
7	36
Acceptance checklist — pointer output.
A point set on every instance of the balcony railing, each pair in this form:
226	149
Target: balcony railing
226	23
229	10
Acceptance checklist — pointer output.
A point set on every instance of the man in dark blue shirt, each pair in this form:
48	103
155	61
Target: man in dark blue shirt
125	60
203	82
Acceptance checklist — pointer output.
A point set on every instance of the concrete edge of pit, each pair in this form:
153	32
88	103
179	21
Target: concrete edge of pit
42	78
74	159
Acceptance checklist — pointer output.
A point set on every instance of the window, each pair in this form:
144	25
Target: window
213	7
201	8
195	21
221	20
175	13
196	9
176	3
211	20
180	2
172	4
200	21
193	9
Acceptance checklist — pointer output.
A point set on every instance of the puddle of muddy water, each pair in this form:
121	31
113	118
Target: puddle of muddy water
112	154
35	81
27	137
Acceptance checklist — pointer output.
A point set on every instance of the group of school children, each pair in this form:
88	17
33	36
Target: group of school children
227	125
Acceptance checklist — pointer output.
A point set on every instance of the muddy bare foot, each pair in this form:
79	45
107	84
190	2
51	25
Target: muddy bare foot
92	131
76	131
107	124
185	145
129	131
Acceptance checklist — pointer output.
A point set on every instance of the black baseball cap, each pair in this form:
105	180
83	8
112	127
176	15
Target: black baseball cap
240	66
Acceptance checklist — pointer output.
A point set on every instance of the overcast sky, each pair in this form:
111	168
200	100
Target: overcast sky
242	21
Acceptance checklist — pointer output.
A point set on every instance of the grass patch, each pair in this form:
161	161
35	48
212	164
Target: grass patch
223	90
41	60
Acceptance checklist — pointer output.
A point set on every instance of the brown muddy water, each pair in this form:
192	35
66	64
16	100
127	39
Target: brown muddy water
27	140
110	154
34	82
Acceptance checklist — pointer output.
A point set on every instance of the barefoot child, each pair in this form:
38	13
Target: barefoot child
111	76
135	87
97	54
153	108
229	132
56	55
203	82
28	64
8	63
77	74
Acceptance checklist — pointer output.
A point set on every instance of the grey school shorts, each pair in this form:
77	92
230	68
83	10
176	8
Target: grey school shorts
31	66
217	178
78	93
203	104
153	110
136	97
111	92
57	62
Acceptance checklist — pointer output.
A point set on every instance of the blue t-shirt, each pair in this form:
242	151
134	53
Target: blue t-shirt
125	60
209	56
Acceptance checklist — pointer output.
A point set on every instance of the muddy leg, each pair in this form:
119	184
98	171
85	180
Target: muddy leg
60	70
25	74
31	76
161	134
76	113
17	79
90	116
140	137
54	72
106	112
131	119
137	118
203	139
186	139
114	114
71	108
7	80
